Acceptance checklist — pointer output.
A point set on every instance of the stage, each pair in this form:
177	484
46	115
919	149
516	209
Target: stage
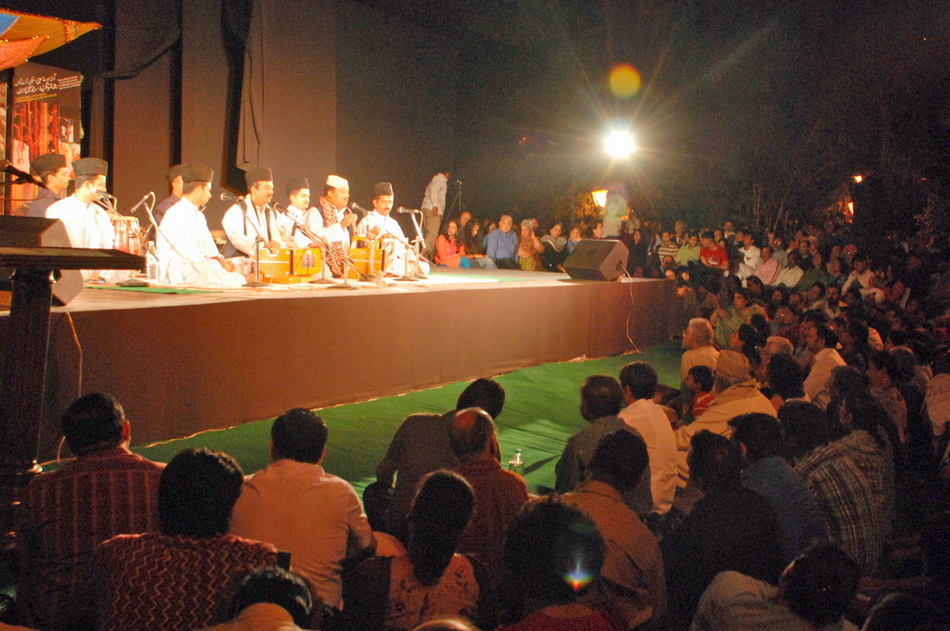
183	363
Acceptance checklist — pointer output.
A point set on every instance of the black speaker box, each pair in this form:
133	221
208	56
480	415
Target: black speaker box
597	259
37	232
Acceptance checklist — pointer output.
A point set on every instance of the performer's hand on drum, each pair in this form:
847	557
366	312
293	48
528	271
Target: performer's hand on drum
273	245
226	264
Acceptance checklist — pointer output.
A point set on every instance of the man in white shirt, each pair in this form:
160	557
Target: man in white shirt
300	508
638	380
87	224
300	212
433	206
822	341
252	218
751	258
337	218
186	248
379	224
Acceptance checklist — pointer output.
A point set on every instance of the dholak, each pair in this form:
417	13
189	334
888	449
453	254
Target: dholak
360	259
128	236
288	265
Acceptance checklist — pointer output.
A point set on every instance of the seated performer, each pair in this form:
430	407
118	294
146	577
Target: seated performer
252	217
185	245
52	170
87	223
175	183
300	211
380	225
336	219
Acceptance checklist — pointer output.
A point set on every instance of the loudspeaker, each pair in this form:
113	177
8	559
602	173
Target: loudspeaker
37	232
597	259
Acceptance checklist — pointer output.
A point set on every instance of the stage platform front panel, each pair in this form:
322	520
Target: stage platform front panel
186	363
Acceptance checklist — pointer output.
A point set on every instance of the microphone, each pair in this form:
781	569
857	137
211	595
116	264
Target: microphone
104	194
359	208
404	210
141	201
7	167
228	197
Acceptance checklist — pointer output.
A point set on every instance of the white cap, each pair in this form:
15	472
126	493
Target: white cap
335	181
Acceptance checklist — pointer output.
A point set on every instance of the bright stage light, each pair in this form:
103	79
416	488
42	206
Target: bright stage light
600	198
619	144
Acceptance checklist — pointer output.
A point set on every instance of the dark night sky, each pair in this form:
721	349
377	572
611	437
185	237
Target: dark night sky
791	96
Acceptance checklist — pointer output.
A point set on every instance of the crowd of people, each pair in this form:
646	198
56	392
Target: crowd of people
797	477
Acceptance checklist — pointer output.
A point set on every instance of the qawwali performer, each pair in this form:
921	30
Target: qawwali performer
87	223
379	224
336	219
175	183
252	217
186	248
52	170
300	211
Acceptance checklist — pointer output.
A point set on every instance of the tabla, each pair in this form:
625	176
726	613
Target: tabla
128	236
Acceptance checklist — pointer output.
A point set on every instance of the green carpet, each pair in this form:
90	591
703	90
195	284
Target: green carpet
541	413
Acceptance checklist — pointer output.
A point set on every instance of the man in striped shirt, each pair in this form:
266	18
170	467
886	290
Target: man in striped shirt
106	491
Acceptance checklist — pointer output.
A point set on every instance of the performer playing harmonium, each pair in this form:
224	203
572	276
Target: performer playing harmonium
380	225
186	248
252	217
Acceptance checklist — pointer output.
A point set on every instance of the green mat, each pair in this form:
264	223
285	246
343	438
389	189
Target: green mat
155	290
541	413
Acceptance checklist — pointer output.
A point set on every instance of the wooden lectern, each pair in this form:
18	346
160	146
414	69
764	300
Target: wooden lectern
24	359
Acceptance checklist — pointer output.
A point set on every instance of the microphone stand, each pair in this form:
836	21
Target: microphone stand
325	250
257	245
412	247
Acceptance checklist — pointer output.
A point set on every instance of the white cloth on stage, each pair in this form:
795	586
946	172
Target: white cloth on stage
87	225
187	252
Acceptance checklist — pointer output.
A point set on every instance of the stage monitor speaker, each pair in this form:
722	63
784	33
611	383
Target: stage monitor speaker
597	259
36	232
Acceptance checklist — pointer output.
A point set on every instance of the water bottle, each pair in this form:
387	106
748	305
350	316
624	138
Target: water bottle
516	464
151	264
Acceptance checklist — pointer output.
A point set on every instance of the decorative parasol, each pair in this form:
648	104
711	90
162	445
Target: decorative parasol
23	35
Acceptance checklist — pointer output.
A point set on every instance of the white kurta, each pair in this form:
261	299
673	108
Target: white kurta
257	224
187	251
387	225
87	225
310	219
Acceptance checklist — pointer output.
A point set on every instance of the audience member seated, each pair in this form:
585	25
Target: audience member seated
736	393
301	509
270	599
725	322
783	381
601	401
769	269
814	592
106	491
431	580
868	444
841	490
421	445
882	373
499	494
633	568
472	244
791	274
182	577
730	528
697	393
821	342
698	342
639	381
449	250
553	560
555	248
530	248
502	244
764	470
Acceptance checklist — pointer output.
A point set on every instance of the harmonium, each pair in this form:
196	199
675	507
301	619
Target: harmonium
290	265
361	255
